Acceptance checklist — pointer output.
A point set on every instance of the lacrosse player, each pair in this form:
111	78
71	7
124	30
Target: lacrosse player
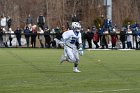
71	53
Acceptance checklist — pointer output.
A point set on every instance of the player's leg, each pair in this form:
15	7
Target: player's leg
75	68
71	55
64	56
68	55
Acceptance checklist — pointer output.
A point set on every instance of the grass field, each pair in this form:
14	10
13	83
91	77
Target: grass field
38	71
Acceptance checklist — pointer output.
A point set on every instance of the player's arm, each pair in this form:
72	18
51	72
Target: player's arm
65	36
81	52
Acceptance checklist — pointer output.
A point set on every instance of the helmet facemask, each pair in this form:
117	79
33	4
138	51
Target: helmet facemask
76	26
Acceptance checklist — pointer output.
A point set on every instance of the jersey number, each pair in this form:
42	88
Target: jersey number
73	40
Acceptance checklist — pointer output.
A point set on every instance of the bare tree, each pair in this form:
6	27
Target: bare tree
59	12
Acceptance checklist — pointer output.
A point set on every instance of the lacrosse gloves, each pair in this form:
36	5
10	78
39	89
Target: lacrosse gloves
81	52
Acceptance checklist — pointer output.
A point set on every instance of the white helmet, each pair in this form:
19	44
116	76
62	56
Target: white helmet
76	26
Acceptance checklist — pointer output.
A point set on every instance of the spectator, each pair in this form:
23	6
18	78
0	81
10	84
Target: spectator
107	24
3	22
100	33
33	36
18	33
27	34
83	33
134	32
105	39
1	37
64	28
9	22
53	43
123	37
129	38
58	36
93	29
114	38
75	18
138	39
58	33
47	37
135	25
5	37
29	21
96	39
89	36
11	36
40	37
41	21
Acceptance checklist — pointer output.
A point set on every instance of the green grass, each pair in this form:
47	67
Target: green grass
39	71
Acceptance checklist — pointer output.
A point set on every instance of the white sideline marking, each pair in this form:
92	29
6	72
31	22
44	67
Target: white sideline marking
97	49
108	49
126	49
101	91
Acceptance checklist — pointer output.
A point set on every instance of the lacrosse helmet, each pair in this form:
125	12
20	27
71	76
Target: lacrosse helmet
76	26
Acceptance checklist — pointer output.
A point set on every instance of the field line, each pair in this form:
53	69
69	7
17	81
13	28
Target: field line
102	91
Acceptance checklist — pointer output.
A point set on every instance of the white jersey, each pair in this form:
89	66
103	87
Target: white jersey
71	37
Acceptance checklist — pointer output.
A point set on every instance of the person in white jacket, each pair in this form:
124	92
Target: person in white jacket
129	38
3	21
40	37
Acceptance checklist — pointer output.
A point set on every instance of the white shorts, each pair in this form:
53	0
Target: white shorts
72	54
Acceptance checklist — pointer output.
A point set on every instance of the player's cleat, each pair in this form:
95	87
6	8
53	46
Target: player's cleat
63	58
76	71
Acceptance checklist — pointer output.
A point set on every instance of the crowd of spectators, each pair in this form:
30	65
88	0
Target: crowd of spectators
103	36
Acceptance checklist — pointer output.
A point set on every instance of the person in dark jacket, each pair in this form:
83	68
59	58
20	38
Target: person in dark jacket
1	37
47	37
89	36
83	33
100	33
27	33
123	37
75	18
108	24
138	39
9	22
41	21
29	21
18	33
